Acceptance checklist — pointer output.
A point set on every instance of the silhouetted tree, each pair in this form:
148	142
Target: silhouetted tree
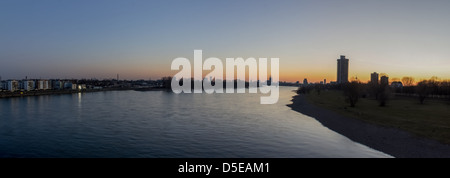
445	88
374	89
383	95
303	90
318	88
423	90
352	92
380	91
408	81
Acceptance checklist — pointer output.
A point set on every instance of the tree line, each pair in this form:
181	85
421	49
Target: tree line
382	92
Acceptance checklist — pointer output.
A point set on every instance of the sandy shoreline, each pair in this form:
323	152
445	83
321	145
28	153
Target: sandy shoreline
391	141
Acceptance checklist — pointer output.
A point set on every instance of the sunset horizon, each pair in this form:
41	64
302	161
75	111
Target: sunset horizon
139	41
222	87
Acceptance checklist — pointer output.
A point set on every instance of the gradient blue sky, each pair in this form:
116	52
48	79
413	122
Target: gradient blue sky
139	39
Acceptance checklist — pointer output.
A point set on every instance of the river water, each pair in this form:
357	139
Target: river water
163	124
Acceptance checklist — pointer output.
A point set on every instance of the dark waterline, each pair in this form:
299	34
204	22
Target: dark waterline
163	124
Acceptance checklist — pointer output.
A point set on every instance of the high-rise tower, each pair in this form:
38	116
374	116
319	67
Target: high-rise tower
374	78
342	70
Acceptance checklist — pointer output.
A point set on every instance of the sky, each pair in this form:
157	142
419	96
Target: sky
138	39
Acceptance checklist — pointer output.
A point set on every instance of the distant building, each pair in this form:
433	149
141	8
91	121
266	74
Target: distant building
82	87
57	85
20	85
384	80
397	84
321	82
324	81
305	81
43	85
52	83
342	70
12	85
28	85
3	85
374	78
70	86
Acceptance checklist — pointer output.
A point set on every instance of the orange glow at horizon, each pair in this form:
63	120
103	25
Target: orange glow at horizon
289	75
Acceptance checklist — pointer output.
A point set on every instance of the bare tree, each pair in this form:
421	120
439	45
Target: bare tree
408	81
303	90
374	89
383	95
381	92
318	88
352	92
423	90
445	88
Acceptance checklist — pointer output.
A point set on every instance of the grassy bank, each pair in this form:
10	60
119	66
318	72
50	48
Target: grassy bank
430	120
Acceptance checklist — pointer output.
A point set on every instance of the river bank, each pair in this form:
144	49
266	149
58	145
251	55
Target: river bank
8	94
389	140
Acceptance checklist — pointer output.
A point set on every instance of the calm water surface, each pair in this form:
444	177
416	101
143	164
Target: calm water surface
163	124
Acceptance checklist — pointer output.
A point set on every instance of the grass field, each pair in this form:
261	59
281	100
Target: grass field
430	120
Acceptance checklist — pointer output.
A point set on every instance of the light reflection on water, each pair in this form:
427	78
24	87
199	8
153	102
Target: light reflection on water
163	124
